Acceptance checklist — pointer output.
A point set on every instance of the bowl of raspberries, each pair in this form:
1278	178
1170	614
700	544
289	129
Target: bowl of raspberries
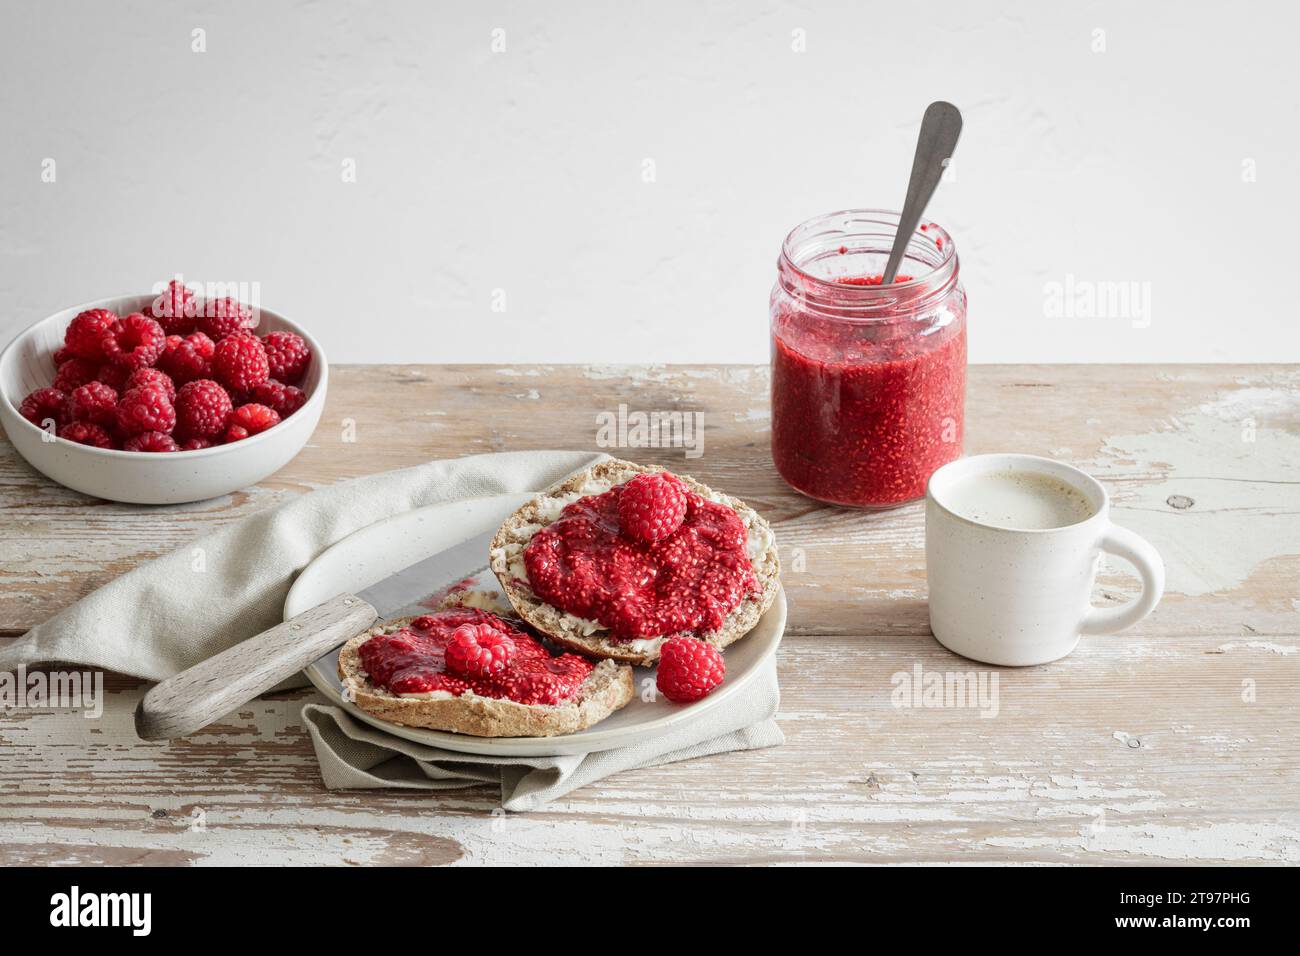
162	398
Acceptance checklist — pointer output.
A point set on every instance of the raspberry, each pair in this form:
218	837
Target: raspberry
478	650
114	376
93	402
189	358
151	376
688	669
45	404
145	410
194	444
135	341
239	363
150	441
175	309
202	408
651	507
85	334
74	373
221	317
285	399
288	355
61	355
249	420
84	433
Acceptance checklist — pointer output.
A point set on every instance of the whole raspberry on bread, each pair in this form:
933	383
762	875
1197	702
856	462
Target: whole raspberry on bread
652	507
575	563
451	670
478	650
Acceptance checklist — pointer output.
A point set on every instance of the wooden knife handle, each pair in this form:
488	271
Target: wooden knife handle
213	688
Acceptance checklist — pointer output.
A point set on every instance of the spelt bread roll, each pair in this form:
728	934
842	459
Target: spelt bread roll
590	637
607	688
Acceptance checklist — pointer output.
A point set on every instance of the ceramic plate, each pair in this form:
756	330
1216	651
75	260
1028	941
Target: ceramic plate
382	549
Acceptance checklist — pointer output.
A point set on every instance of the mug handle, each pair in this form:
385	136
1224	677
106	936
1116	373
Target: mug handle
1150	568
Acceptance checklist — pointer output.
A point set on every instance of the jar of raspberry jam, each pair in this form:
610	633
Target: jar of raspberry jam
868	380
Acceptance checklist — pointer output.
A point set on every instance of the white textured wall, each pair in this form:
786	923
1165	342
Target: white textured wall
523	170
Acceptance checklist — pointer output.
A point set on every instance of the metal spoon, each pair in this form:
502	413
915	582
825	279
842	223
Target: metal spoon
935	144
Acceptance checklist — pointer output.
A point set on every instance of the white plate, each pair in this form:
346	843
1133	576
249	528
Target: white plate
382	549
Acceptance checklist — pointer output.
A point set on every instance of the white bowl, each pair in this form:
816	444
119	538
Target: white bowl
141	477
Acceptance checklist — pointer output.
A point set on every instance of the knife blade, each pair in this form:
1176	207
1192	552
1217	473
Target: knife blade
413	589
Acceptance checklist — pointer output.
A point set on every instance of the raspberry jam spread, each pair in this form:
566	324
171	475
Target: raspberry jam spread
412	662
868	381
690	580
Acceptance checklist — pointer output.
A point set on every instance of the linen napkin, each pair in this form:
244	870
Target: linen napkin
354	755
222	588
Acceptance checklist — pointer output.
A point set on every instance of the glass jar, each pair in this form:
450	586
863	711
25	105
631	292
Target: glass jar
868	380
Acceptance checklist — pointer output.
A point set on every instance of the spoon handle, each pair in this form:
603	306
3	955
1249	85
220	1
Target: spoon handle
940	128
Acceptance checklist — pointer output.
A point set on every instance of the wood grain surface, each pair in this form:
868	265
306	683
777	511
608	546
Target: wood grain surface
1177	741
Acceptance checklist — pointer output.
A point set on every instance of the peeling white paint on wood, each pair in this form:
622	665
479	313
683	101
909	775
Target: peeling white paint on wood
1223	842
1268	646
1226	461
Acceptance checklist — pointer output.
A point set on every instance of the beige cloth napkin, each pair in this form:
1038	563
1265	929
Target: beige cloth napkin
224	587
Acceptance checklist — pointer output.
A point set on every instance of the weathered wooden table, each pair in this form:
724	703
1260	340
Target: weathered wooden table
1176	741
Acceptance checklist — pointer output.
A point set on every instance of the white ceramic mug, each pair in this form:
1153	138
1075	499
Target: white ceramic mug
1018	597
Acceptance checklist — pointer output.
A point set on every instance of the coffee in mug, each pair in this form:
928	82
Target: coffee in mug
1012	545
1019	499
